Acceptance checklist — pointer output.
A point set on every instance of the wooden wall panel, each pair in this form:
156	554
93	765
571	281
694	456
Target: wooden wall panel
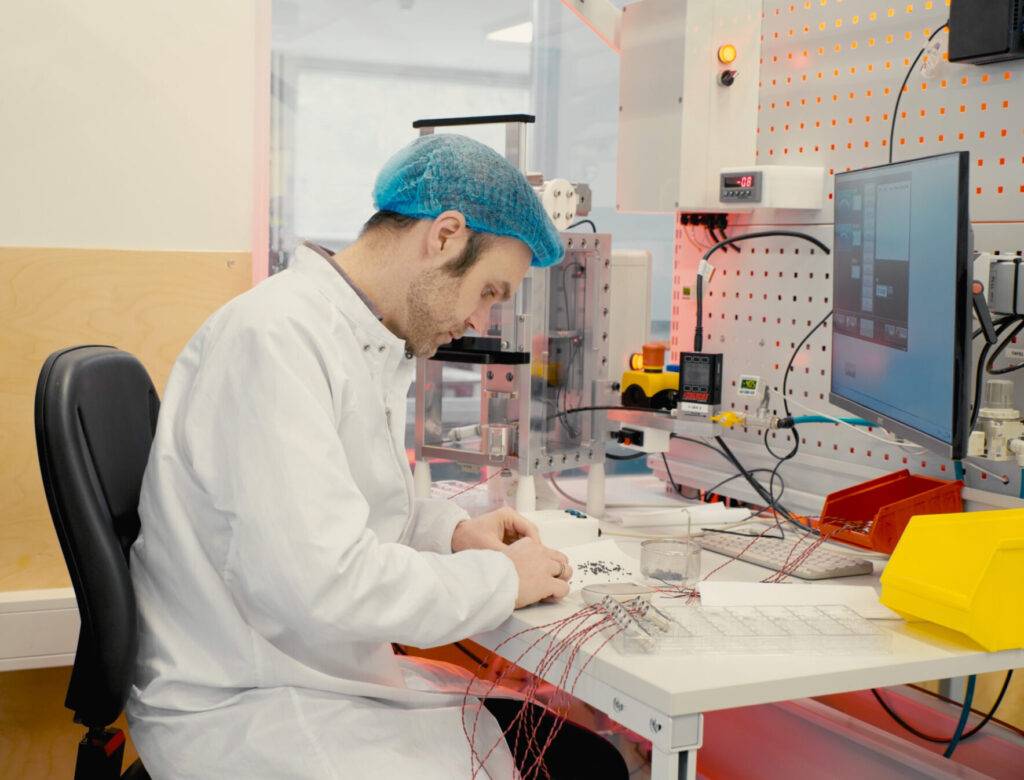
146	302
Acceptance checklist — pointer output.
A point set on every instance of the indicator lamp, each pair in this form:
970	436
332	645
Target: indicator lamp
727	54
636	362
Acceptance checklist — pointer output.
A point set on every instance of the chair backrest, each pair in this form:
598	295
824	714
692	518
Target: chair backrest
96	411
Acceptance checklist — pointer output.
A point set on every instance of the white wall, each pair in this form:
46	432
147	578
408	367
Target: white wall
131	123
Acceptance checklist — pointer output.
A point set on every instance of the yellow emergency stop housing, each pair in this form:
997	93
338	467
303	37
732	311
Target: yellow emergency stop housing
962	571
657	389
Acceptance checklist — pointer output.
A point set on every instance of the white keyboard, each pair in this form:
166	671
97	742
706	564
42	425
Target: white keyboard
775	553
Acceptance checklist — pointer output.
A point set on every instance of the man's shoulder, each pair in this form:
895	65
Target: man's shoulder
284	302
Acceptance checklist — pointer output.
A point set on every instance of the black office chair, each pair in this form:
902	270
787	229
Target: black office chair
96	411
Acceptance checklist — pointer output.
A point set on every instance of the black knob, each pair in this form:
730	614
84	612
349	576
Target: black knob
726	78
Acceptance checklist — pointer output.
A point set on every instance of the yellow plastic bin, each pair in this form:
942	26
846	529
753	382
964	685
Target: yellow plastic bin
964	571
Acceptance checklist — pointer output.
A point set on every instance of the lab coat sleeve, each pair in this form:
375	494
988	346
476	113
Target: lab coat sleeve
434	523
302	566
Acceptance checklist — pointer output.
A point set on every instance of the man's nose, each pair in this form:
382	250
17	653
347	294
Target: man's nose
478	320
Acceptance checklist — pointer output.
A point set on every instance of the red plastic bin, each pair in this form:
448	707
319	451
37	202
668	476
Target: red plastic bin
880	509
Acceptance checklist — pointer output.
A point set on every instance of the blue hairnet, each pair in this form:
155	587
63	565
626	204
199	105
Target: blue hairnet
442	172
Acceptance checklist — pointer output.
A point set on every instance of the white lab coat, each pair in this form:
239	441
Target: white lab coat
282	550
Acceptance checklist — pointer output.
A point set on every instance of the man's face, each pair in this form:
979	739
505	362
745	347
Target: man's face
441	307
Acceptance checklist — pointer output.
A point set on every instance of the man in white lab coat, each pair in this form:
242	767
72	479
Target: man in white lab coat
282	550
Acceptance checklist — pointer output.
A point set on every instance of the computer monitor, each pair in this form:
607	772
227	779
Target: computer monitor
900	326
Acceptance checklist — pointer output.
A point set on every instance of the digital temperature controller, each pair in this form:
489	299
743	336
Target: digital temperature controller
742	187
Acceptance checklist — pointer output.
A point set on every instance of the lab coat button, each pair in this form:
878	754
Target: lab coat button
380	348
366	347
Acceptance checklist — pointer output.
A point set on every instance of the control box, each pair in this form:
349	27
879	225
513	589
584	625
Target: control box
983	31
700	378
773	187
679	60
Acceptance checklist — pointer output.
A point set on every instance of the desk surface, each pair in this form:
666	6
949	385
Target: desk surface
677	684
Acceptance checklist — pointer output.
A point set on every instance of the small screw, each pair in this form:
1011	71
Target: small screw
615	385
618	706
509	376
490	375
536	463
605	288
565	458
607	263
655	726
551	461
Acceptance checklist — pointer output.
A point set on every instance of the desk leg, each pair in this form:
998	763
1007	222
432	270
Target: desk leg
680	765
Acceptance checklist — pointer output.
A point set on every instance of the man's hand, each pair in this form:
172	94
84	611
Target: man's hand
543	572
493	531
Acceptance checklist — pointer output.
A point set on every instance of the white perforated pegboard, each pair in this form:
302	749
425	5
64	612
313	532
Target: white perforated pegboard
828	82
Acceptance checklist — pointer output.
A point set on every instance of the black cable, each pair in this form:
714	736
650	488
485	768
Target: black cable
979	376
999	350
781	459
792	359
662	412
713	231
633	457
668	473
583	222
995	322
757	486
906	78
734	477
698	333
733	461
698	441
946	740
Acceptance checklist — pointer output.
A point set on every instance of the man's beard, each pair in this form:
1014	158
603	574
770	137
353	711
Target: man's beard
428	306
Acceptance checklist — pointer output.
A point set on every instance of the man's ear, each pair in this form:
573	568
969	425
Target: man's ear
447	226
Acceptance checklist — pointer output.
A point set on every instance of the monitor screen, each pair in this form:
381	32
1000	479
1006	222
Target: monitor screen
901	298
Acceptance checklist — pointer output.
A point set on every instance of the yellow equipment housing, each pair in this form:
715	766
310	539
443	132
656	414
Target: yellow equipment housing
962	571
649	389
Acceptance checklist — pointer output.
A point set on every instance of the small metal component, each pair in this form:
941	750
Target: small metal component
655	726
497	439
490	375
509	376
617	705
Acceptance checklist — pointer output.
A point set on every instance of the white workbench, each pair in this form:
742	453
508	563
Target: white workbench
662	696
